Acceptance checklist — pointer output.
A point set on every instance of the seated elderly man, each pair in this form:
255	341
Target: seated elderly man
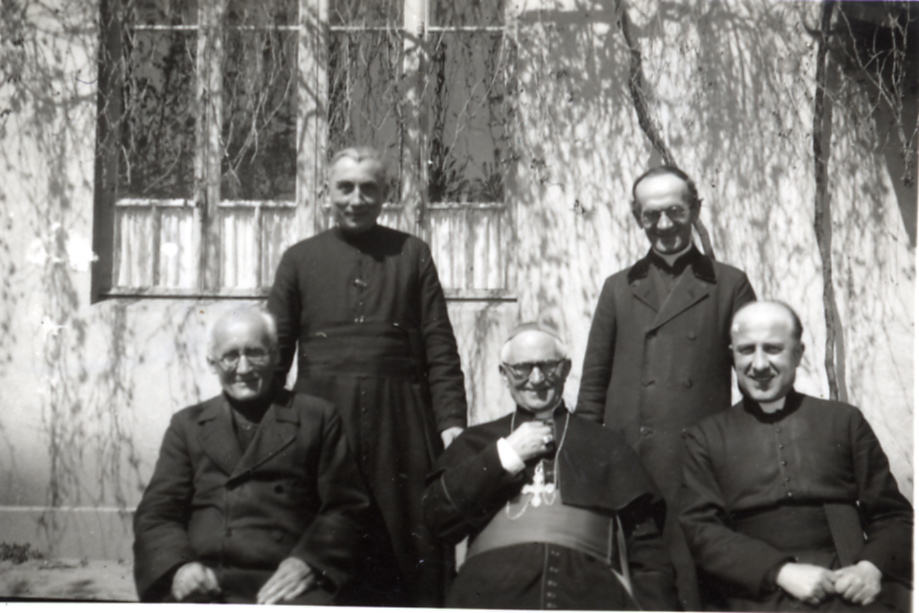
788	500
255	496
558	510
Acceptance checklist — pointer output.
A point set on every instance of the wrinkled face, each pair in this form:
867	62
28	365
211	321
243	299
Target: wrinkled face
243	358
357	193
664	213
535	371
766	353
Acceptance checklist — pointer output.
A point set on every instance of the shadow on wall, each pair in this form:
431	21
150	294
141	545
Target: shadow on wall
89	359
731	88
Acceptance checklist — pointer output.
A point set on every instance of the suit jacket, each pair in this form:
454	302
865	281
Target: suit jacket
744	462
655	366
294	492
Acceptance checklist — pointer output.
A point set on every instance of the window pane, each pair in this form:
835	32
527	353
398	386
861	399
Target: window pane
261	12
238	259
279	231
178	257
164	12
366	13
470	116
364	99
450	13
133	246
156	157
259	116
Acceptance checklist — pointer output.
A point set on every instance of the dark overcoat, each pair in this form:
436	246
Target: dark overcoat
294	492
657	364
366	318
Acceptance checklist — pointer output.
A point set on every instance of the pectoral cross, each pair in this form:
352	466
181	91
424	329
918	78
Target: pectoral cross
539	488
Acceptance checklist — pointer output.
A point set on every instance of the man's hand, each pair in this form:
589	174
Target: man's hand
293	577
806	582
193	578
531	439
859	584
449	434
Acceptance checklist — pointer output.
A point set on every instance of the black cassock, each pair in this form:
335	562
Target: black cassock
366	317
595	470
808	483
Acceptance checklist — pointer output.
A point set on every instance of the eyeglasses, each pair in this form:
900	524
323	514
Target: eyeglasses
257	356
521	371
677	213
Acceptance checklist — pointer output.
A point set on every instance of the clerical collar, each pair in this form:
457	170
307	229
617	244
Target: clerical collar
557	410
790	404
702	267
356	238
674	262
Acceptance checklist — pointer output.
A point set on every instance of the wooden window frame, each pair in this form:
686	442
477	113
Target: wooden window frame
312	142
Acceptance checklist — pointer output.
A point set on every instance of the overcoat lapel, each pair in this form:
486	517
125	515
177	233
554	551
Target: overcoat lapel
645	291
278	429
216	436
643	288
686	292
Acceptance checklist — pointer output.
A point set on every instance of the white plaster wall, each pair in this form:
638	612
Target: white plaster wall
87	389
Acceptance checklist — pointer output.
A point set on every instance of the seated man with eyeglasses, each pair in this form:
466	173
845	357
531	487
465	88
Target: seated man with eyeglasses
255	496
559	512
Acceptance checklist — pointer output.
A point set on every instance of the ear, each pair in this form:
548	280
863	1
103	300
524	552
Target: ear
799	353
636	213
212	363
503	371
566	368
694	212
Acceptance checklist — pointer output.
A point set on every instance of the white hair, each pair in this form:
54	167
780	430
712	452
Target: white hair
560	348
267	320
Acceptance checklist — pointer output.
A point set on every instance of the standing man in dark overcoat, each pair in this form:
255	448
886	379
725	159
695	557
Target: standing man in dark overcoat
363	311
657	355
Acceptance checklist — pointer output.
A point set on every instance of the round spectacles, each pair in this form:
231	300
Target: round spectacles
256	356
676	213
521	371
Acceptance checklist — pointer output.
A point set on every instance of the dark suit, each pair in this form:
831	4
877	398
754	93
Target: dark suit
294	492
657	363
808	483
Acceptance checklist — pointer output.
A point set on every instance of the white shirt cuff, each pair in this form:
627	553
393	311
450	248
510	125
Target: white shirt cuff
509	458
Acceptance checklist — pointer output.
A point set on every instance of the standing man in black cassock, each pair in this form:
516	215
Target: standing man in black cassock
558	510
362	308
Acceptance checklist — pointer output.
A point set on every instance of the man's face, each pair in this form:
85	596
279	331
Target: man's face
766	353
243	358
664	213
535	371
356	194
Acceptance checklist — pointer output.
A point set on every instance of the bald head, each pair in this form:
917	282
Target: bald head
770	309
530	334
767	349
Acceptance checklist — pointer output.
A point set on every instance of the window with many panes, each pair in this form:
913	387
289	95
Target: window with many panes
216	118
